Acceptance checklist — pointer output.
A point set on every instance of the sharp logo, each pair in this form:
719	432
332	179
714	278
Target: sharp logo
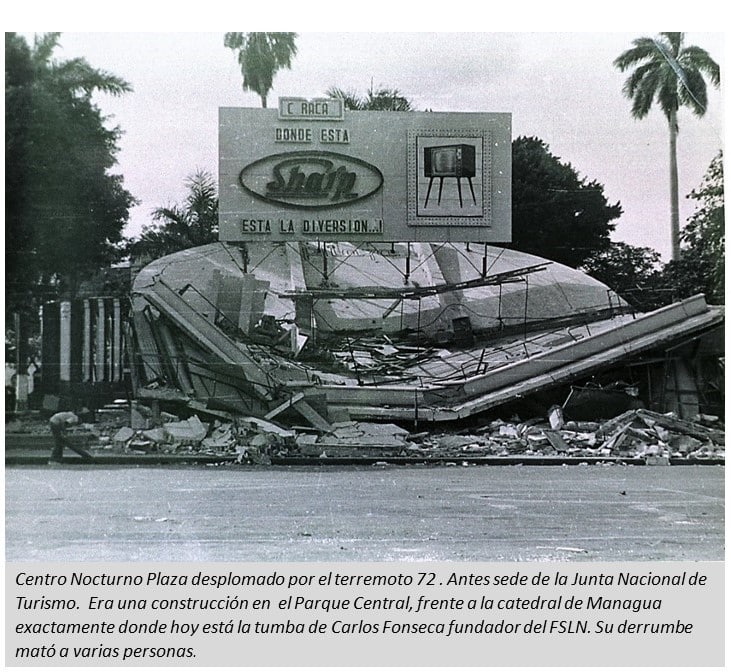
311	179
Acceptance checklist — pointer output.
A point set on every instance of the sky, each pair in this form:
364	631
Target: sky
558	86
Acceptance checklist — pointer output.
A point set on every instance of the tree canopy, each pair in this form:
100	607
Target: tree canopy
668	72
557	214
260	57
706	226
382	99
672	74
623	266
637	274
65	211
700	267
633	272
179	227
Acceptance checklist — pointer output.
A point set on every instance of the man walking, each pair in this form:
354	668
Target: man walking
59	423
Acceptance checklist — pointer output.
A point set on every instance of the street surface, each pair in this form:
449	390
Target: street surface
378	513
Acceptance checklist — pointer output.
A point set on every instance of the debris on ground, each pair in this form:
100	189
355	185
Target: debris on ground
642	434
190	432
634	434
354	439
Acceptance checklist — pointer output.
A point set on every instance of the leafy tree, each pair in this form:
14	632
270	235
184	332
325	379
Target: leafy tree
705	232
64	210
383	99
673	75
688	276
181	227
261	56
623	266
557	214
633	272
700	268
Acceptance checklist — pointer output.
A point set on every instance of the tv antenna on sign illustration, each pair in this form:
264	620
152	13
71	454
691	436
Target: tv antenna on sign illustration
456	161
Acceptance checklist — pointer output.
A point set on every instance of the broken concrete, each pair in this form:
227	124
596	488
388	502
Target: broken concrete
156	435
123	435
190	431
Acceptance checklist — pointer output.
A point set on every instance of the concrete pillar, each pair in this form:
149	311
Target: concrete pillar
64	355
117	343
86	354
99	354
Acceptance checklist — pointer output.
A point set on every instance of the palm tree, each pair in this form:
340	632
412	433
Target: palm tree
179	228
260	56
75	76
383	99
671	74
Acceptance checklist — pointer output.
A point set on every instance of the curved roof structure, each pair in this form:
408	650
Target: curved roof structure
384	331
548	291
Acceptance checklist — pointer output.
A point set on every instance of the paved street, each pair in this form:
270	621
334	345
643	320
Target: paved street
229	513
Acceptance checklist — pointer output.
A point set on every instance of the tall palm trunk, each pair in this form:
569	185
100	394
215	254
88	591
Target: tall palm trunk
674	211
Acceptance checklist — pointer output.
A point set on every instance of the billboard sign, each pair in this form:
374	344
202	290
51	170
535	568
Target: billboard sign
311	170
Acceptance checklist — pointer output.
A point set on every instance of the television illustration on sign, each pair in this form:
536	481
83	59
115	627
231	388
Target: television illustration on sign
449	176
456	161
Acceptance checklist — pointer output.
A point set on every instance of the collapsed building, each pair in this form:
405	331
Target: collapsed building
363	285
321	333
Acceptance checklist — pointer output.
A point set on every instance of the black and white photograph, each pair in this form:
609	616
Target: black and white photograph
364	297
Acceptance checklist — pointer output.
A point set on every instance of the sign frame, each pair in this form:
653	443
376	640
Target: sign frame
315	174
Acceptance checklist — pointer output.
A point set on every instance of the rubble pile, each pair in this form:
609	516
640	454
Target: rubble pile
244	439
636	434
357	439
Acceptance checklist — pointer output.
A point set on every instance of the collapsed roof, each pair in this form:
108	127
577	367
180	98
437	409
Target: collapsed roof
433	332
